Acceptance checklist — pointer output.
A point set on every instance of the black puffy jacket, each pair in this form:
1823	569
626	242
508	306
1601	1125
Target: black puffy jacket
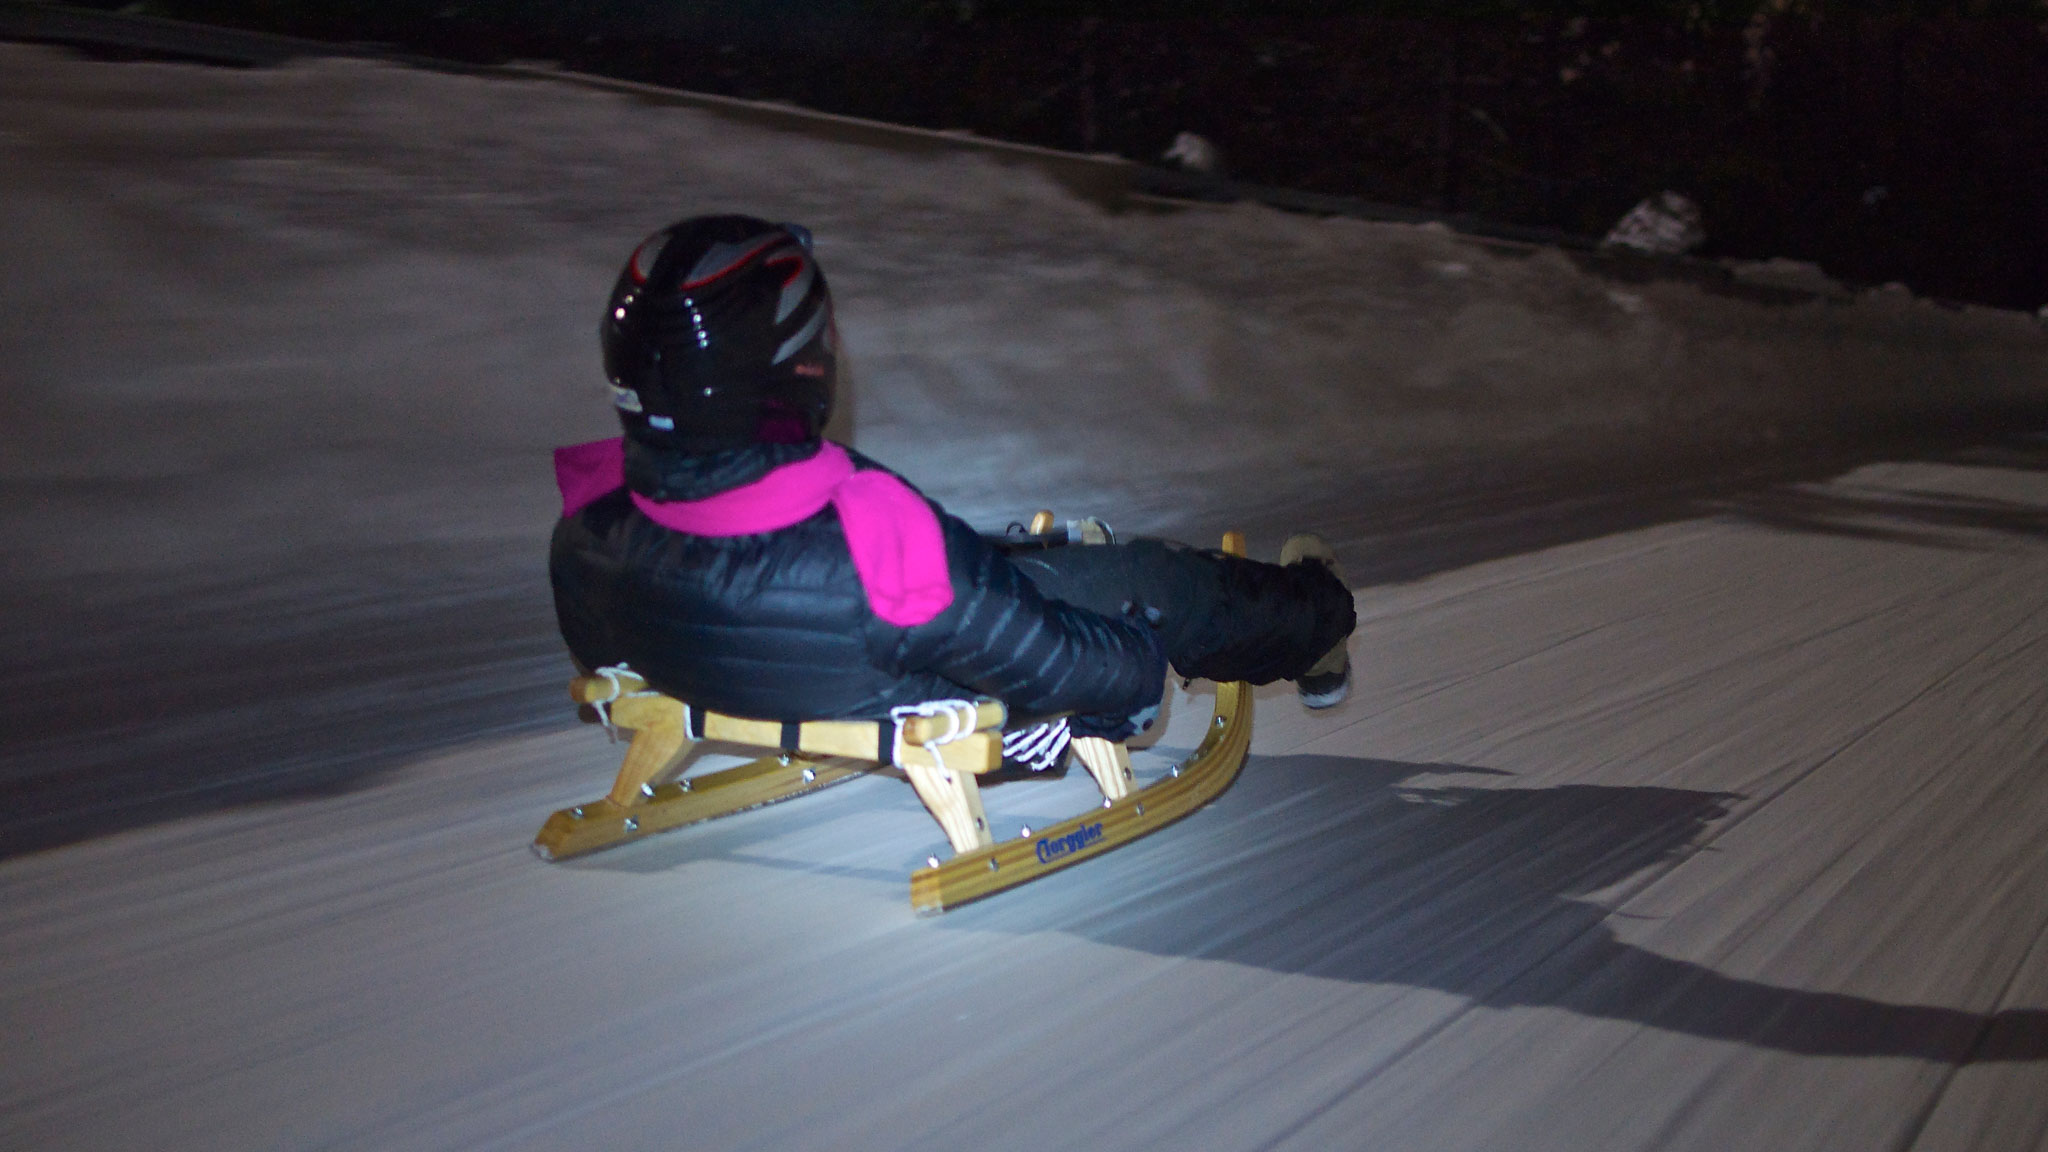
776	626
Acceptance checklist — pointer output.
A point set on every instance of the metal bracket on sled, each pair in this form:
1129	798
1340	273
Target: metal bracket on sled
941	748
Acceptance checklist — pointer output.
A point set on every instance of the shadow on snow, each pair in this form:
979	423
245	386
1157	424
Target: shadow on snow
1335	868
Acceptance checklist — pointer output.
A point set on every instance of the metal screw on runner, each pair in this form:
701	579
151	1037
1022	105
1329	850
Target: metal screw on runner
632	823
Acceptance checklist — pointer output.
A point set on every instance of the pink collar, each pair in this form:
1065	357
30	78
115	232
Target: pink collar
898	548
788	495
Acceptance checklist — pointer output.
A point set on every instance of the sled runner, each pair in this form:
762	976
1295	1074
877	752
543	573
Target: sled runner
940	747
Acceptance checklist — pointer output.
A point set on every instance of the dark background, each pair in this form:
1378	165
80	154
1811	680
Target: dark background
1883	141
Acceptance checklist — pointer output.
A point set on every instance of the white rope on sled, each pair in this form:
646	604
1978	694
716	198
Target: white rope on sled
610	673
960	715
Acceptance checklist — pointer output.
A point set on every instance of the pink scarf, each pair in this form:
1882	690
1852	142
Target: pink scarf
893	534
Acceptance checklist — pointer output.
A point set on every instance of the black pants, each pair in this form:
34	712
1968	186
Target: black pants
1221	617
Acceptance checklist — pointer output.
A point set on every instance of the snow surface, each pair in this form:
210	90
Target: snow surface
1721	831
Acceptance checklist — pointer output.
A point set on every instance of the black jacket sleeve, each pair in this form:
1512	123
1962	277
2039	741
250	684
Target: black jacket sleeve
1039	656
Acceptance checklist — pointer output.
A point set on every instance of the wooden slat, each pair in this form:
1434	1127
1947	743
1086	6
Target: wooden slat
1107	761
988	714
738	730
980	753
591	689
857	738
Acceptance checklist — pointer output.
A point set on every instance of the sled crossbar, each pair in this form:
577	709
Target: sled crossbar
624	692
941	755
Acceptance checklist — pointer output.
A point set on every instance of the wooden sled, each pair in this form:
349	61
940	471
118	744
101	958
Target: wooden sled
941	752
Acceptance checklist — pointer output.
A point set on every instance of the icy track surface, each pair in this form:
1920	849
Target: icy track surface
1723	834
1721	829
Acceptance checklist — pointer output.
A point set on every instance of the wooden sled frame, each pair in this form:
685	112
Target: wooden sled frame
941	753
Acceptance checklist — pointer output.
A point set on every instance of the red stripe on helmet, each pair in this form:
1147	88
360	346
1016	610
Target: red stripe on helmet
706	276
643	260
795	257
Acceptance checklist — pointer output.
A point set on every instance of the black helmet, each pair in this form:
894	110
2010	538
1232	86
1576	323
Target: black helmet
719	335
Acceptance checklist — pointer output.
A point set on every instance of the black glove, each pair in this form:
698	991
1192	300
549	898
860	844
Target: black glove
1038	747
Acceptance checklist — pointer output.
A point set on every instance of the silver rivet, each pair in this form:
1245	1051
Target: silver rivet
1024	833
1175	770
992	864
647	789
1108	803
685	785
1220	721
1140	809
632	823
783	759
576	813
931	861
809	775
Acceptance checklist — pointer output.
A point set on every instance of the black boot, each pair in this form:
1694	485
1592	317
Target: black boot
1328	682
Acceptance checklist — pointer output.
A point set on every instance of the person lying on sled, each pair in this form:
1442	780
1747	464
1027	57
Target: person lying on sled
740	562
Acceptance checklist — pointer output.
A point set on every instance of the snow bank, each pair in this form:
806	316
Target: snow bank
344	301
